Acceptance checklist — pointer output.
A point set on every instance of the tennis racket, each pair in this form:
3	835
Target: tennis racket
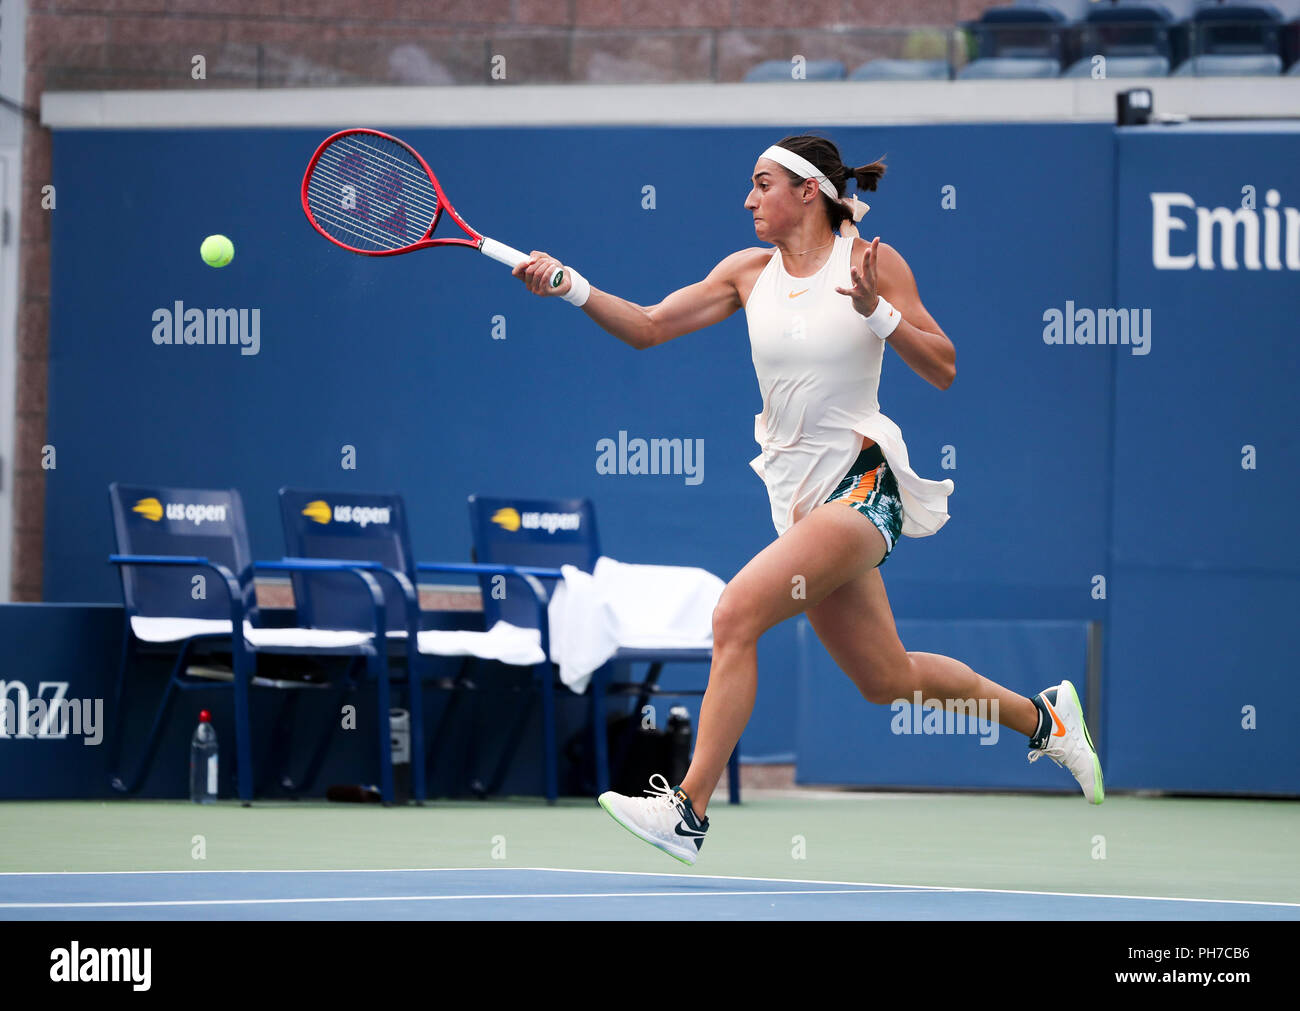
373	194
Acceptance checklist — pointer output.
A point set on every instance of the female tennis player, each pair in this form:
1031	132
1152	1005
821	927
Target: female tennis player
821	307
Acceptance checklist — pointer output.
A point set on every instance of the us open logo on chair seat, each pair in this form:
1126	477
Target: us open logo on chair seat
512	519
189	512
319	511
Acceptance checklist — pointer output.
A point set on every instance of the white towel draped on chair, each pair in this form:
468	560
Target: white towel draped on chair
149	629
503	641
617	605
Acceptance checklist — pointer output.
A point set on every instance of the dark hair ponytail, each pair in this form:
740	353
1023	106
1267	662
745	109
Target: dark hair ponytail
826	156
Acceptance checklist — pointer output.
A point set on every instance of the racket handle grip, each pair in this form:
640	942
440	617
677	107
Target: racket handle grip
512	258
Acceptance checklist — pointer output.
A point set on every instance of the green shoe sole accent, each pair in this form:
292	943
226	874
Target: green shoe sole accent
641	837
1099	790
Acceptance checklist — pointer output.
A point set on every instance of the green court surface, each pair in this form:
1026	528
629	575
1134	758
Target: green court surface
1152	846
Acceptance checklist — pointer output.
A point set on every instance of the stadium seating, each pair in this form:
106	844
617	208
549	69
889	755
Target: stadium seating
783	70
187	584
1231	65
1139	38
903	70
1009	67
1289	15
1204	37
1021	40
1122	66
1127	29
501	538
1233	39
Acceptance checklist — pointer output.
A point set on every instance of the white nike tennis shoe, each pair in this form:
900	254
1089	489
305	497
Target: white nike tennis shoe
665	819
1067	742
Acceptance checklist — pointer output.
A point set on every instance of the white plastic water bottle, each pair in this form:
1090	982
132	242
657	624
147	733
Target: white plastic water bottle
399	723
203	761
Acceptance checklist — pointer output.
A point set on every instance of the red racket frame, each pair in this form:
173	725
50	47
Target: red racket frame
474	242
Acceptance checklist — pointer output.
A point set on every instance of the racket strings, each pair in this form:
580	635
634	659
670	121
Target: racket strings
348	201
377	184
371	193
349	223
421	192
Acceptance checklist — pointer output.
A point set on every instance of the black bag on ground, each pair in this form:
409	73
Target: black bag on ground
635	754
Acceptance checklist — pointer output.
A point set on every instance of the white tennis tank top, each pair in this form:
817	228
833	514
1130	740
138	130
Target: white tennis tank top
818	367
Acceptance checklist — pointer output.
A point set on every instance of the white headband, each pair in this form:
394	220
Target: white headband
800	166
807	170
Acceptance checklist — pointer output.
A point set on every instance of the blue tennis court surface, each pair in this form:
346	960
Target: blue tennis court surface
529	893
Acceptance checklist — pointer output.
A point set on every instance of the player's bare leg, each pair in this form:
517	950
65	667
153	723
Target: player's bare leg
856	625
828	547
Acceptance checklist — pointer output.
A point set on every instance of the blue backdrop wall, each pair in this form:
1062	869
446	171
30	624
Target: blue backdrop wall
1205	560
1070	461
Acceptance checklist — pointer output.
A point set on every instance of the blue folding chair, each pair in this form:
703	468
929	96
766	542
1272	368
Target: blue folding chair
1019	31
351	527
1126	31
171	543
1235	39
546	534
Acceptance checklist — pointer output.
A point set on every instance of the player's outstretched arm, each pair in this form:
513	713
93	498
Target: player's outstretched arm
684	311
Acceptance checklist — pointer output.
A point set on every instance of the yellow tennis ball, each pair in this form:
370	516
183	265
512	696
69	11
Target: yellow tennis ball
217	250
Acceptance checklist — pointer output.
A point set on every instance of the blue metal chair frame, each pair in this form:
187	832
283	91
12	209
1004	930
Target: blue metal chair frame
543	673
242	657
410	614
147	556
398	538
602	683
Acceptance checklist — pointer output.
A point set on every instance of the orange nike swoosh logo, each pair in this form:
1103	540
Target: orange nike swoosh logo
1060	727
796	294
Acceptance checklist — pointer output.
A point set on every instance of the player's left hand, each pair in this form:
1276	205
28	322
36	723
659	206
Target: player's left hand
864	292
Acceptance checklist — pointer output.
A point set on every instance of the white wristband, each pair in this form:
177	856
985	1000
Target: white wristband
884	321
579	288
